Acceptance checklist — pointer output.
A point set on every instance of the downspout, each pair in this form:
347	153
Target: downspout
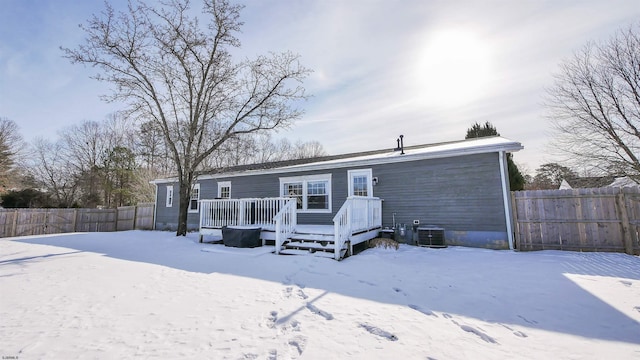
155	208
504	175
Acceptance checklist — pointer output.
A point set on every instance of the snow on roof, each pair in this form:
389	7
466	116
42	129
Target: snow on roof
411	153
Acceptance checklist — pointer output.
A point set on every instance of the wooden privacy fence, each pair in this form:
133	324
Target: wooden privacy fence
23	222
602	219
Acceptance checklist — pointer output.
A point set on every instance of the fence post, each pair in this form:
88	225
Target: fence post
46	221
75	220
14	226
135	217
516	225
621	207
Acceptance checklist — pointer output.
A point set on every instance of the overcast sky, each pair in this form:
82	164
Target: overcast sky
425	69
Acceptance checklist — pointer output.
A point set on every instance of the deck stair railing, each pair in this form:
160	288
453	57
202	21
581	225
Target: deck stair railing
285	222
357	214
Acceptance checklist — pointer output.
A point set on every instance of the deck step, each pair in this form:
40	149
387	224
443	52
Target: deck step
312	237
324	254
322	245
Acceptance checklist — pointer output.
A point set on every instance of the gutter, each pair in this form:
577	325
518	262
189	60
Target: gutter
504	175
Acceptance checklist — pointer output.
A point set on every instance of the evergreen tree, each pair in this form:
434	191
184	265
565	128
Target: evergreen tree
516	179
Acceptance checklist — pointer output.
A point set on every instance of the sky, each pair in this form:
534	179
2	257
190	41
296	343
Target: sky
381	68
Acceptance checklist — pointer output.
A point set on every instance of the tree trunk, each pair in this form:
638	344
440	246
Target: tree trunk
185	199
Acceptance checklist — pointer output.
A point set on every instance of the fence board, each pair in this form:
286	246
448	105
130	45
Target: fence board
603	219
144	216
126	218
25	222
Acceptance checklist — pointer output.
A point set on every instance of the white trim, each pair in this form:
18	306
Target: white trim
366	172
504	175
222	184
193	189
305	180
169	196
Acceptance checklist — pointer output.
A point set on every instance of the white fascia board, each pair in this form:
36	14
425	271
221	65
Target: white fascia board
164	181
435	152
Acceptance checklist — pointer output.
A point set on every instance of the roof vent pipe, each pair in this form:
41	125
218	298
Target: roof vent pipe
400	146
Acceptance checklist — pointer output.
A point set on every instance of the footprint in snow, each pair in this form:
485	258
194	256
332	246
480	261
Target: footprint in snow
287	280
626	283
295	325
298	343
532	322
317	311
272	319
399	291
273	354
379	332
447	316
637	308
475	331
288	291
367	283
424	311
302	295
515	332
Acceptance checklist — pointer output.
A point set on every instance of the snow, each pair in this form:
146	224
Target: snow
154	295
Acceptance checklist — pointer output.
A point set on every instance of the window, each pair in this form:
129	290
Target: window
195	196
360	182
169	199
294	190
224	190
312	193
317	196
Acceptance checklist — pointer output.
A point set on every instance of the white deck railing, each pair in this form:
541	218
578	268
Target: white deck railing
356	214
286	221
241	212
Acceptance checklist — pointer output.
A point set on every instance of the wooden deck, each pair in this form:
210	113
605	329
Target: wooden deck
358	220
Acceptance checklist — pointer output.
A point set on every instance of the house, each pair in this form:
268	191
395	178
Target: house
461	187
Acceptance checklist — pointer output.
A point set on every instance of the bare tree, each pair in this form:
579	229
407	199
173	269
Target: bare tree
11	144
50	168
595	104
85	145
170	68
311	149
151	149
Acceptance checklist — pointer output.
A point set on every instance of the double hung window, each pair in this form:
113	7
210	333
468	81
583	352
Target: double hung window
224	190
195	197
169	199
312	193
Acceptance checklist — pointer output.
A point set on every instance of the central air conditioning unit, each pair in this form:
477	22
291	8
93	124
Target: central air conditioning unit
431	236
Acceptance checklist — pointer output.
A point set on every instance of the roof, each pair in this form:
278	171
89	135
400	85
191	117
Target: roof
373	157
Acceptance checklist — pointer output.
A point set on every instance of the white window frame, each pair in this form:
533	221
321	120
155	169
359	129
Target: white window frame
360	172
194	189
221	185
169	199
305	180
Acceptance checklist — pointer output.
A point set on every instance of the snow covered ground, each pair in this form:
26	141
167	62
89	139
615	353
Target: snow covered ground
154	295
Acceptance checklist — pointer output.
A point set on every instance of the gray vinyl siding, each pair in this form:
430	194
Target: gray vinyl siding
462	194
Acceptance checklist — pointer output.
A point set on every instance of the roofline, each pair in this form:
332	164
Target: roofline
339	162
